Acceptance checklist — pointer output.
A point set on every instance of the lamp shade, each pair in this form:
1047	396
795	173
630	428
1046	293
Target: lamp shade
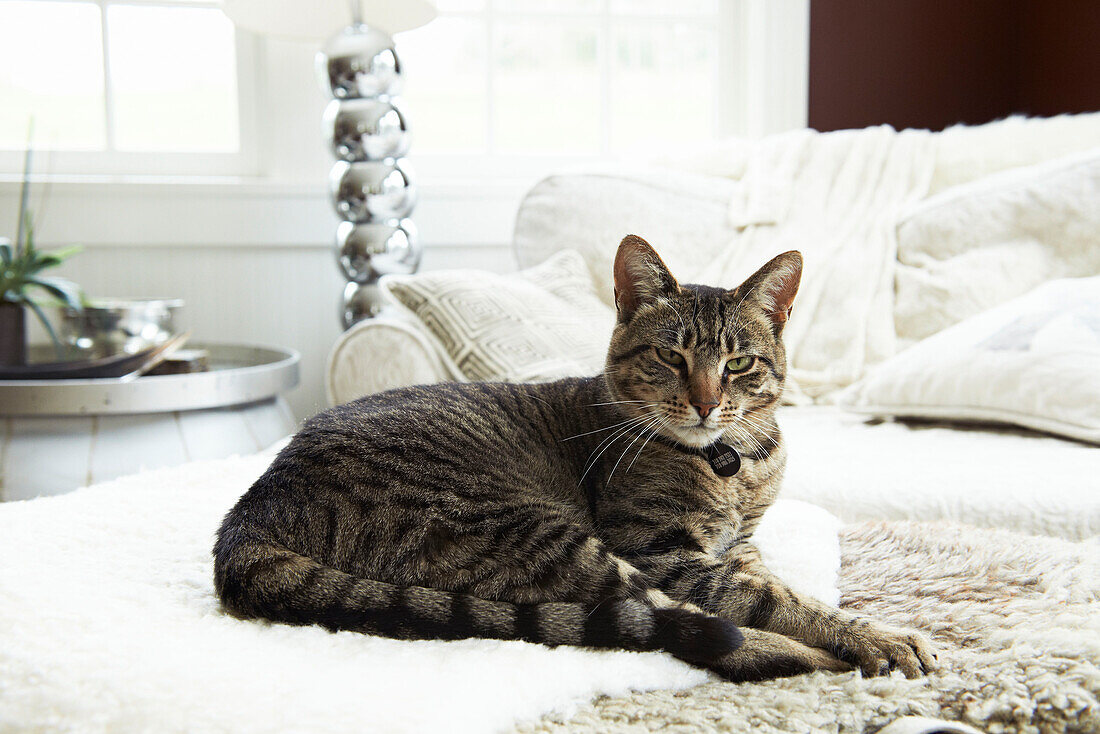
319	19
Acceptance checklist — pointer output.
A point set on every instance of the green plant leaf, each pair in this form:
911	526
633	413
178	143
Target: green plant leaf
7	252
40	263
28	234
66	290
66	253
34	261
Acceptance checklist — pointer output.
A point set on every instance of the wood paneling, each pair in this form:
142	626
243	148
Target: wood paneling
283	296
1059	57
934	63
50	455
38	455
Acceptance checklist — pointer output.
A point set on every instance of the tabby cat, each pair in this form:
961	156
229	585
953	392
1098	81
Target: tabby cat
606	511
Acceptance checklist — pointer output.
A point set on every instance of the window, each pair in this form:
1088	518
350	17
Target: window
108	82
494	89
514	79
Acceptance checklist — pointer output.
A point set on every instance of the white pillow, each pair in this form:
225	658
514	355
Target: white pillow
980	244
1033	362
538	324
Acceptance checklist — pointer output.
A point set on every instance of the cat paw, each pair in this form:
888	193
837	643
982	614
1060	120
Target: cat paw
765	655
878	649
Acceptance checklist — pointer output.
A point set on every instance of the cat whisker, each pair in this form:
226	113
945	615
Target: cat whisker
607	428
652	422
762	427
756	438
744	435
607	442
598	430
652	434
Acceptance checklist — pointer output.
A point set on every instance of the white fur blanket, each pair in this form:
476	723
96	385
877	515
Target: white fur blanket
108	622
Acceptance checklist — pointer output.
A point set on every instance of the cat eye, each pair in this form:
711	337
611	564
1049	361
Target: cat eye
740	364
670	357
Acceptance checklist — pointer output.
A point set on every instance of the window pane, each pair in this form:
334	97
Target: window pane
51	68
662	84
548	6
547	87
448	6
444	89
174	73
663	7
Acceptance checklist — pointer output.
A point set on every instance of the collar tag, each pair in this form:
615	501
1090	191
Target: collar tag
723	459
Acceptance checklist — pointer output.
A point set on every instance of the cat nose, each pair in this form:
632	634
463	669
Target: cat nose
704	409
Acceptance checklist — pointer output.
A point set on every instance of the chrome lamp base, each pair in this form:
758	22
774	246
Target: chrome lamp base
372	188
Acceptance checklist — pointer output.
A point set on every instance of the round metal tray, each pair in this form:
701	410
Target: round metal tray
238	374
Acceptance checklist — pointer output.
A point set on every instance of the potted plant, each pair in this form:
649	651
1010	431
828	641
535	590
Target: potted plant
21	266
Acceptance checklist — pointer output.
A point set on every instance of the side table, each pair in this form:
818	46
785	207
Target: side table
58	435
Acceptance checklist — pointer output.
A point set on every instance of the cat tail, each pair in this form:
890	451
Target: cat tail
258	578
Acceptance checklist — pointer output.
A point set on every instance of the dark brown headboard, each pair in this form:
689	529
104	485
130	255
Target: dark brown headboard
934	63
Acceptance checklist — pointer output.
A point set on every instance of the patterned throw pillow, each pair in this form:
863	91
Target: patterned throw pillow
538	324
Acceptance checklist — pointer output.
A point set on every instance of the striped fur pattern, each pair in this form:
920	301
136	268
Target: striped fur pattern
548	513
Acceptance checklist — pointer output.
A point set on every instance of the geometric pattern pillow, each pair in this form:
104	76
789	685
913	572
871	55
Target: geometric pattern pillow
538	324
1033	362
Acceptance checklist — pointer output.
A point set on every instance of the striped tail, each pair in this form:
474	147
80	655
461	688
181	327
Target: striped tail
257	578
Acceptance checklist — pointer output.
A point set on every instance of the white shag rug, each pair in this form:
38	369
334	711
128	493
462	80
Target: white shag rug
1016	619
108	622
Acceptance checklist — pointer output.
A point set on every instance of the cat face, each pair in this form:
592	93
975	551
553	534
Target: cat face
691	361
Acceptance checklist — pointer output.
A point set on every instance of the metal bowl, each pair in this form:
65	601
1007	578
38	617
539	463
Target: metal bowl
110	326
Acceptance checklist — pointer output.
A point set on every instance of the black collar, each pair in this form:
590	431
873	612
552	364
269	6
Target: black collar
723	458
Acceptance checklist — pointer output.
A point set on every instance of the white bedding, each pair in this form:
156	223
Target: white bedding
984	476
108	622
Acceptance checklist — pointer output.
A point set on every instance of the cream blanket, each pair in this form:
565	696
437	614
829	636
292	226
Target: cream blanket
1018	207
837	198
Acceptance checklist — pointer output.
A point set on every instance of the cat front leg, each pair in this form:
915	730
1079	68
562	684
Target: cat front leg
764	655
770	604
876	648
740	588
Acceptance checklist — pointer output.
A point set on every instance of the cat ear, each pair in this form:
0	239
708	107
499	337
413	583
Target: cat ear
774	287
640	276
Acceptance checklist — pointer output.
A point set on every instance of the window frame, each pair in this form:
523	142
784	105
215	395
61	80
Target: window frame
111	162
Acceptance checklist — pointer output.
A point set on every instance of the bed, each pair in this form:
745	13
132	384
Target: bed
109	622
983	535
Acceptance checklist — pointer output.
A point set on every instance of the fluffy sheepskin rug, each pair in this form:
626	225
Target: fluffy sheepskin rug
1016	618
109	623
